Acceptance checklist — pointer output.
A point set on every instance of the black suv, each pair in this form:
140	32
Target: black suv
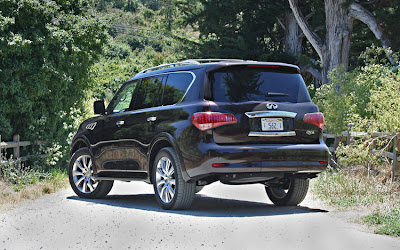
184	125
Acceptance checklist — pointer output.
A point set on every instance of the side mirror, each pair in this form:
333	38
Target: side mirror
99	107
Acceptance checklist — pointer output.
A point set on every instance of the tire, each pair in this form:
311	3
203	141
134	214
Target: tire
198	189
81	179
292	196
171	191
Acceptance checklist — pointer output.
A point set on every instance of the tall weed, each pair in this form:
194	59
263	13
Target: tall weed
19	175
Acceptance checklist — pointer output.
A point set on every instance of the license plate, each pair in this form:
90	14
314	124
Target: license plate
272	124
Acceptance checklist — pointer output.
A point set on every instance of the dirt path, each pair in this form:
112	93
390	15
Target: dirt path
222	217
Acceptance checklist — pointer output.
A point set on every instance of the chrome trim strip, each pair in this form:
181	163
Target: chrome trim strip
258	114
188	88
273	134
120	178
121	140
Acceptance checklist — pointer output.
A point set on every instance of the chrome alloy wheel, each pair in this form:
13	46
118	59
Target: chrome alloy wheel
165	179
82	173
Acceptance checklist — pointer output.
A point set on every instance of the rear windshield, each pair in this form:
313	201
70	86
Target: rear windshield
246	83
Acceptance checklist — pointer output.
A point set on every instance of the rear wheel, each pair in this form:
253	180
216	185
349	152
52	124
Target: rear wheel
171	191
292	194
81	177
198	189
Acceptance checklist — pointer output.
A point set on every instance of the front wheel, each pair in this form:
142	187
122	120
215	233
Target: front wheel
292	194
81	177
171	191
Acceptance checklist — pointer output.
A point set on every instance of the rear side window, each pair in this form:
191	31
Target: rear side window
175	87
148	94
243	83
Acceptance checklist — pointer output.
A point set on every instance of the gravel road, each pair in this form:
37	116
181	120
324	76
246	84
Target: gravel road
222	217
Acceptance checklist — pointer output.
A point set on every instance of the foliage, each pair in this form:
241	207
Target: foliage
388	221
137	40
46	49
367	97
335	99
18	175
245	30
112	71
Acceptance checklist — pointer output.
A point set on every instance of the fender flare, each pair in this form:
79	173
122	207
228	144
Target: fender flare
80	139
171	140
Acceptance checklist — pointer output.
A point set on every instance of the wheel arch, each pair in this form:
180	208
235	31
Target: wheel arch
78	143
165	140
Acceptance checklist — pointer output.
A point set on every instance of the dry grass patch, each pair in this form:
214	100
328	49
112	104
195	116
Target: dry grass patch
355	189
9	196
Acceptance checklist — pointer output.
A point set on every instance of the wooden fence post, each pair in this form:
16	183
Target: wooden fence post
349	141
394	156
16	138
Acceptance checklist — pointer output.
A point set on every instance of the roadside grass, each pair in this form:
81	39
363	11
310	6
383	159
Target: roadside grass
388	221
354	188
19	183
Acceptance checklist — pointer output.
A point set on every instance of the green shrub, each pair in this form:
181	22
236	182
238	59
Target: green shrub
369	97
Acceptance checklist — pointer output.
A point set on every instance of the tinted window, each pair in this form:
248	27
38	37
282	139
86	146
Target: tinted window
175	87
147	95
122	99
241	84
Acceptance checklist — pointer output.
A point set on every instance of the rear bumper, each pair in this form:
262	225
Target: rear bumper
278	158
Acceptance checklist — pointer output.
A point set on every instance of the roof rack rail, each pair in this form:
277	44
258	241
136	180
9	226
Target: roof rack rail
214	60
167	65
189	62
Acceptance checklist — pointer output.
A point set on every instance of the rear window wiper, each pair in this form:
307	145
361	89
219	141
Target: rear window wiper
276	94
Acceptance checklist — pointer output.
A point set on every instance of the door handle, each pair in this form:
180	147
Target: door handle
151	119
120	123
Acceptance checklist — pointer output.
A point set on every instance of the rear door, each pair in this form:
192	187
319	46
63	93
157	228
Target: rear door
269	102
172	115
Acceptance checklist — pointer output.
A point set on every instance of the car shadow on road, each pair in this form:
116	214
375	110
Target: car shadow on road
203	206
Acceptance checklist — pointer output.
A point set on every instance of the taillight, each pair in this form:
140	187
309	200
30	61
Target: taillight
316	119
209	120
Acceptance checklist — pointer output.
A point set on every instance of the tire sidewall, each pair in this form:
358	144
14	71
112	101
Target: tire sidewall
165	153
289	199
97	191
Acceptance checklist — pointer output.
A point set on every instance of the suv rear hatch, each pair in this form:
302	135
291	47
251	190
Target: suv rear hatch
269	103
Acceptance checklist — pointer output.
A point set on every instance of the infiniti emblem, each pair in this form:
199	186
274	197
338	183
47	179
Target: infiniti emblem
272	106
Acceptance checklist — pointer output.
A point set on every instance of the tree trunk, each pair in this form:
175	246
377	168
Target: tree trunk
339	27
339	21
293	38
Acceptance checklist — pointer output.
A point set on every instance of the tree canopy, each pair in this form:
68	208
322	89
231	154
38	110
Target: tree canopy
46	49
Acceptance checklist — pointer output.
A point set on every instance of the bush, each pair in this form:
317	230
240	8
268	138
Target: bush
46	49
369	97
